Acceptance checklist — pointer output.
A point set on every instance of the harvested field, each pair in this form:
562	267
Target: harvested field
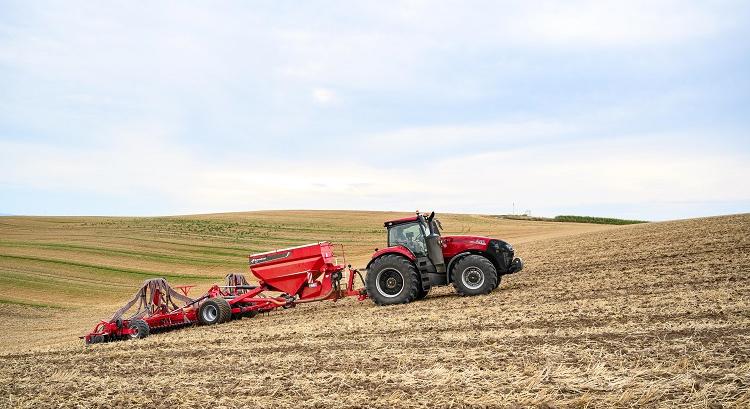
602	316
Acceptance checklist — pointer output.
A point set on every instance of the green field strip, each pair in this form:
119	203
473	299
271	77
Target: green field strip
251	238
257	239
30	304
240	251
595	220
228	228
50	288
53	287
112	252
68	276
111	270
207	249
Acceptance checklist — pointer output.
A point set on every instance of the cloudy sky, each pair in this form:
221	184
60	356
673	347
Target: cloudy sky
626	109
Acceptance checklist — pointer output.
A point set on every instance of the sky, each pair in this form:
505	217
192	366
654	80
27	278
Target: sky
633	109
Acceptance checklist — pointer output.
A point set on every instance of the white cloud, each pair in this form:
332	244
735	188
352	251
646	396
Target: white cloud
451	136
598	173
189	73
540	177
588	23
323	96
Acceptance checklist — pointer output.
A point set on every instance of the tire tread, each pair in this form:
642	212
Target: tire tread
408	271
491	277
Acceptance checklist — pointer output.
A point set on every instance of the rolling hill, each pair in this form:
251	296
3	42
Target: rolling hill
641	315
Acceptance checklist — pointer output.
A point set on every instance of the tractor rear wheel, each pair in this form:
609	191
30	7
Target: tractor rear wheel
422	293
140	329
214	311
474	275
392	279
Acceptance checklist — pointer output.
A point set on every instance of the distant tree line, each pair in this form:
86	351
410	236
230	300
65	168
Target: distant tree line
596	220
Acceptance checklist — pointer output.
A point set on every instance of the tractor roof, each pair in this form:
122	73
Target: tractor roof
399	221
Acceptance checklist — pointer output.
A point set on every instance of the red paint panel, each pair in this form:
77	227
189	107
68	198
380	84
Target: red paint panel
400	250
288	270
402	220
453	245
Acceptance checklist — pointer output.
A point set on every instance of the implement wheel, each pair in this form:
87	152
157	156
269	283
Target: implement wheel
214	311
140	329
392	279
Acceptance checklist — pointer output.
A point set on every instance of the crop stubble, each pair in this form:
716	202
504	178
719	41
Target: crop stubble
644	315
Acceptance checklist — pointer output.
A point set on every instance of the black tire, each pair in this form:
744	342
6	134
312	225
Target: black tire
499	278
421	294
392	279
141	329
226	309
214	311
474	275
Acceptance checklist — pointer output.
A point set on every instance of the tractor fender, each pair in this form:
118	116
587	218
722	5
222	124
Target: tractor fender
459	256
453	261
398	250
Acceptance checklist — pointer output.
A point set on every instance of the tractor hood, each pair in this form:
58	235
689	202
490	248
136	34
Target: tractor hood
453	245
500	252
467	240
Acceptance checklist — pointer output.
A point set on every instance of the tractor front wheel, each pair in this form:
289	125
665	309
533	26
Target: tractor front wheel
392	279
474	275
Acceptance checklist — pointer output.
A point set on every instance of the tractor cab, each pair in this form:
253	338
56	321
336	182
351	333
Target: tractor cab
421	235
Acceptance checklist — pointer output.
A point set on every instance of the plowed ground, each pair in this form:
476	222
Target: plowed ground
642	315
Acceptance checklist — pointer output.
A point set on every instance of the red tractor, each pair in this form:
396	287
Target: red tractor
418	258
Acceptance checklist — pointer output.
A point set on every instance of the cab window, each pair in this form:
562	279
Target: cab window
410	235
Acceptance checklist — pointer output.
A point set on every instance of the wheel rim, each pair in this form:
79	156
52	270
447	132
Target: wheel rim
472	278
135	332
389	282
210	313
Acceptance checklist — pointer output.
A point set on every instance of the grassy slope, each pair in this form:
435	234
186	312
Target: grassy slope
85	267
68	261
641	315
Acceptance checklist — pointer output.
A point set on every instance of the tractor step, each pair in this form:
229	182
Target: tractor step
425	282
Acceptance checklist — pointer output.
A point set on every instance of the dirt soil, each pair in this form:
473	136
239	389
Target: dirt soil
654	315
